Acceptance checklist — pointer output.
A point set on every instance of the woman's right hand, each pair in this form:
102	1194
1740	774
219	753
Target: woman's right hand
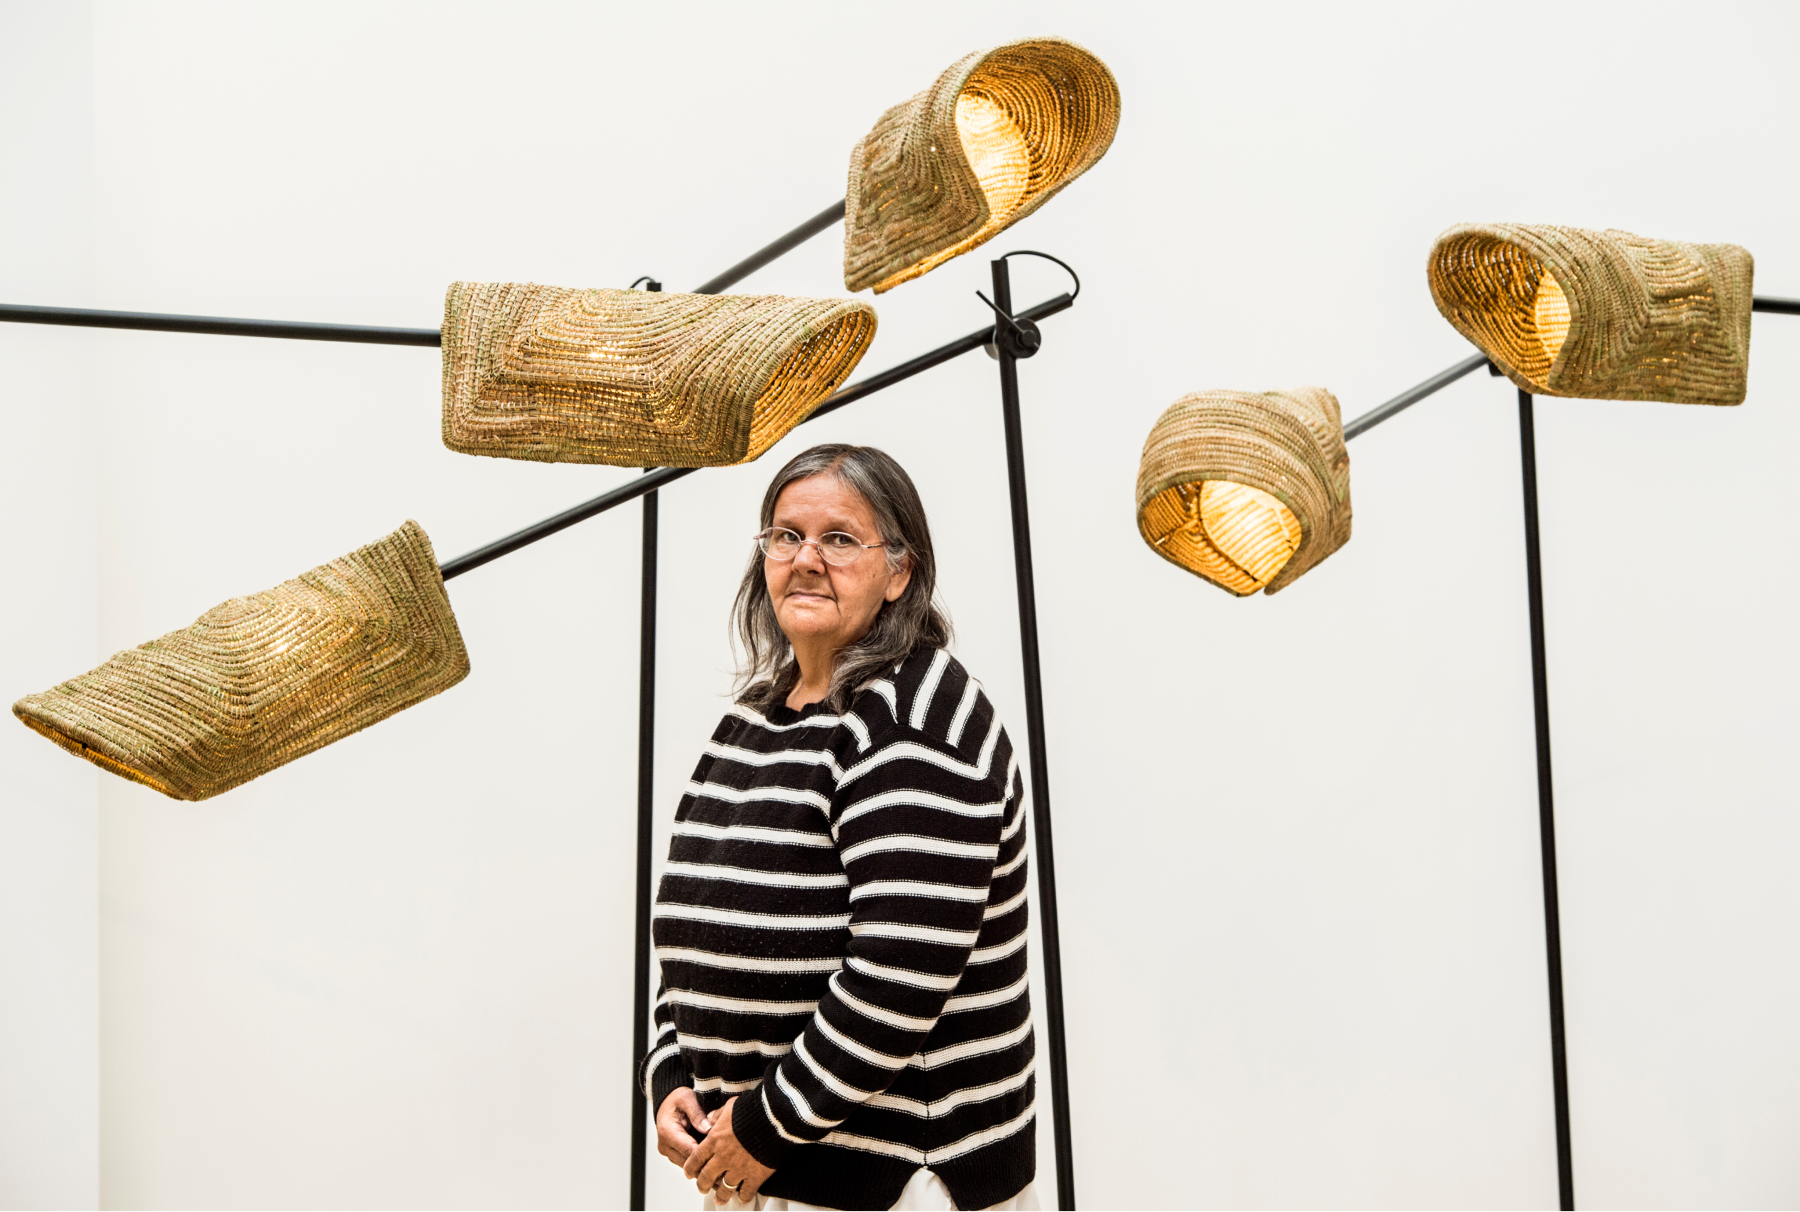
679	1112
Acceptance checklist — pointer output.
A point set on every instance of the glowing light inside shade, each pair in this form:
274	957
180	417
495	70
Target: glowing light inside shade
997	151
1250	528
1550	313
1231	534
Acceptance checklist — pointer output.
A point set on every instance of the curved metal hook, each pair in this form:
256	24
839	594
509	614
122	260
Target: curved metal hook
1067	268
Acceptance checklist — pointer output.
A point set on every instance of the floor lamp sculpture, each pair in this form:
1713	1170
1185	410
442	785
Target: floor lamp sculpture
665	382
1249	491
1602	316
1240	488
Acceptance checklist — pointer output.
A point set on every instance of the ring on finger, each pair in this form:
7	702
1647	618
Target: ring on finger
731	1186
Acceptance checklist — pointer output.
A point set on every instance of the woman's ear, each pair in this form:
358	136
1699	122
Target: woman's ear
900	580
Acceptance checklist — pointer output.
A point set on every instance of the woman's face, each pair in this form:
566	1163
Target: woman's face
822	605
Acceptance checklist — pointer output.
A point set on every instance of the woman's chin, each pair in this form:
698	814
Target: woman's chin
810	622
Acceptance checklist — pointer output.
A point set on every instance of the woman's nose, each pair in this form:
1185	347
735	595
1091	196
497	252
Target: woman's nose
809	558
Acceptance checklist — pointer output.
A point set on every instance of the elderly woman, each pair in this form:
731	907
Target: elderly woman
843	1020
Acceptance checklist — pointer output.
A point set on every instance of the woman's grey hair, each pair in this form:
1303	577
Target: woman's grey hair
768	670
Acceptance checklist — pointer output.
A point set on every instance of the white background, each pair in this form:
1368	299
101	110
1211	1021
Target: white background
1296	836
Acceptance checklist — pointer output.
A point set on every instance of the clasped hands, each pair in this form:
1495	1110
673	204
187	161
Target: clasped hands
717	1163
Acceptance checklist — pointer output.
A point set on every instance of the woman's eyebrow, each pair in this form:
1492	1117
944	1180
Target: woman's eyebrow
844	524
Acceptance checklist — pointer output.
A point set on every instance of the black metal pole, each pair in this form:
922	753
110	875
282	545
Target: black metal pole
223	326
785	244
366	334
1048	929
1412	395
1540	696
629	491
640	997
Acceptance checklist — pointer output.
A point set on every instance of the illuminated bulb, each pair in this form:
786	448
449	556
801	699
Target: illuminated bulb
997	152
1249	527
1550	312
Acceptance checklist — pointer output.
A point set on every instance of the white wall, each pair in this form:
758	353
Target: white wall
49	829
1296	836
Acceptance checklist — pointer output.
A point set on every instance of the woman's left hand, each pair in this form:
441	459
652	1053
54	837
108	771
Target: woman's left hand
720	1159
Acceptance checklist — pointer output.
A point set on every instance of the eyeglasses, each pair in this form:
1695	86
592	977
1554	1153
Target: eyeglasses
835	547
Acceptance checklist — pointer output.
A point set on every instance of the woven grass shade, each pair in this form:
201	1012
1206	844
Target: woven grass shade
999	133
1602	315
259	681
638	379
1248	490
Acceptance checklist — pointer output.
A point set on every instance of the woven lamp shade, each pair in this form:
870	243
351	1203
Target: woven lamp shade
999	133
635	378
1602	315
259	681
1247	490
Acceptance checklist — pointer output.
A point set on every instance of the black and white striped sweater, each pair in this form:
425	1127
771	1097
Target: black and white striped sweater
841	928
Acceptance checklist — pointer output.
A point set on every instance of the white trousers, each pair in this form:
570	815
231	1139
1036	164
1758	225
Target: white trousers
925	1192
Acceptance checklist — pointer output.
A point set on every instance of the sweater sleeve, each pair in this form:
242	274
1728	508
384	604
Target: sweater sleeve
662	1069
917	818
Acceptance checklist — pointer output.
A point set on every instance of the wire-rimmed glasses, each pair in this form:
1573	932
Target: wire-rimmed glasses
835	547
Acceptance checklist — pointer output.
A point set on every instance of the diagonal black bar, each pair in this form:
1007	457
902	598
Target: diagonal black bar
1406	399
924	362
668	475
562	521
1785	307
1043	851
756	260
293	330
1540	699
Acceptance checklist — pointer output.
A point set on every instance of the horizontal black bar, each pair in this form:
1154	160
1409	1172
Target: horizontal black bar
364	334
756	260
1406	399
371	334
634	489
294	330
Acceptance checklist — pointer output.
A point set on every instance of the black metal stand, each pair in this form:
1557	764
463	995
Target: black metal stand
646	817
1045	855
1540	695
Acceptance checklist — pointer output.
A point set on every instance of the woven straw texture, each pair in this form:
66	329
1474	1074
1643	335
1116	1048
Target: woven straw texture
999	133
1248	490
259	681
635	378
1601	315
